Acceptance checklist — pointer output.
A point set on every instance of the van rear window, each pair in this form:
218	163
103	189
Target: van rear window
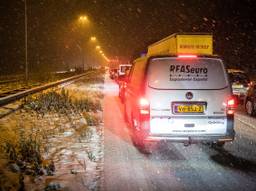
124	68
174	73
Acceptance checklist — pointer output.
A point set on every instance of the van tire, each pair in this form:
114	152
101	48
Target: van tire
121	99
125	114
218	144
143	146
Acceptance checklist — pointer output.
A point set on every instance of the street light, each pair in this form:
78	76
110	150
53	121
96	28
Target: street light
93	38
83	19
97	47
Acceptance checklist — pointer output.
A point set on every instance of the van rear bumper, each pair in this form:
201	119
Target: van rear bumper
192	138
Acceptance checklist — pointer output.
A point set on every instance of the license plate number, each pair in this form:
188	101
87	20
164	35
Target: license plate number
189	108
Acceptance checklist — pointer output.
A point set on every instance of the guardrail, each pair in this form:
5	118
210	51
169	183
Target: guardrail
8	99
9	81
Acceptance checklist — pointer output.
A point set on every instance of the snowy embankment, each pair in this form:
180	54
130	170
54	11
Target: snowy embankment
55	141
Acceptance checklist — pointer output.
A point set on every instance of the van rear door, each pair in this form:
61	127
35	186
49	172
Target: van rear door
187	95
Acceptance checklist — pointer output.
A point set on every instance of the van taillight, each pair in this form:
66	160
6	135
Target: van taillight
144	108
231	105
231	102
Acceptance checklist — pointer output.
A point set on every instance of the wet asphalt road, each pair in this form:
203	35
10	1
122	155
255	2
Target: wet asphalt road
173	166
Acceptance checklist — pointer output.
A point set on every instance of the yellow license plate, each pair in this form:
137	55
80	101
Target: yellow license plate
190	109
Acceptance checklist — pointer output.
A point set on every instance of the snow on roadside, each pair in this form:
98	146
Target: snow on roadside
73	143
78	151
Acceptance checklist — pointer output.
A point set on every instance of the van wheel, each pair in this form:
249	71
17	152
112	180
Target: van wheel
141	145
125	114
218	145
122	99
249	107
137	140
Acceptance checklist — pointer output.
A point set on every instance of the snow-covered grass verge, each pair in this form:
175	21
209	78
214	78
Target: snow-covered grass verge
55	142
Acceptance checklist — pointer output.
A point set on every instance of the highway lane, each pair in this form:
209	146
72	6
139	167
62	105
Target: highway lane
173	166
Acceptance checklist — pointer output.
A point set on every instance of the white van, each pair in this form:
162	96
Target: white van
184	98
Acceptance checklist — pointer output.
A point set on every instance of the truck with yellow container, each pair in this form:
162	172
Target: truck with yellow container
194	43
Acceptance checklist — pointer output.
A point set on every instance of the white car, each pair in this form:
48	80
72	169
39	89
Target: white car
240	82
123	68
184	98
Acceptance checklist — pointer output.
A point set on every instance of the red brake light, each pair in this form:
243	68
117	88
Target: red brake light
144	107
230	112
187	56
143	102
231	105
231	102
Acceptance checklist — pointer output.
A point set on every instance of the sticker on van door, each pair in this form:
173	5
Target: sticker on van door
188	73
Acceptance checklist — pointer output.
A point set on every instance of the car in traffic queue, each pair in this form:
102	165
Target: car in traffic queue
113	73
179	97
122	86
250	100
123	68
240	83
122	82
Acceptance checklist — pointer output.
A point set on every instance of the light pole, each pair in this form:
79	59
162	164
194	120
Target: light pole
94	40
98	47
83	19
26	41
82	54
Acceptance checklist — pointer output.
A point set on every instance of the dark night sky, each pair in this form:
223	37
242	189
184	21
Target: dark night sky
123	27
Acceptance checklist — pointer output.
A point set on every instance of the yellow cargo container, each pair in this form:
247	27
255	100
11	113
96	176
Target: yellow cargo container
183	44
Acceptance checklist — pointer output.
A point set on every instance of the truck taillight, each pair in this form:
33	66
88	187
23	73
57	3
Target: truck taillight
144	108
187	56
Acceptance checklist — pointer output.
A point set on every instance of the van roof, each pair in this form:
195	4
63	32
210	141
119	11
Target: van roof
144	58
